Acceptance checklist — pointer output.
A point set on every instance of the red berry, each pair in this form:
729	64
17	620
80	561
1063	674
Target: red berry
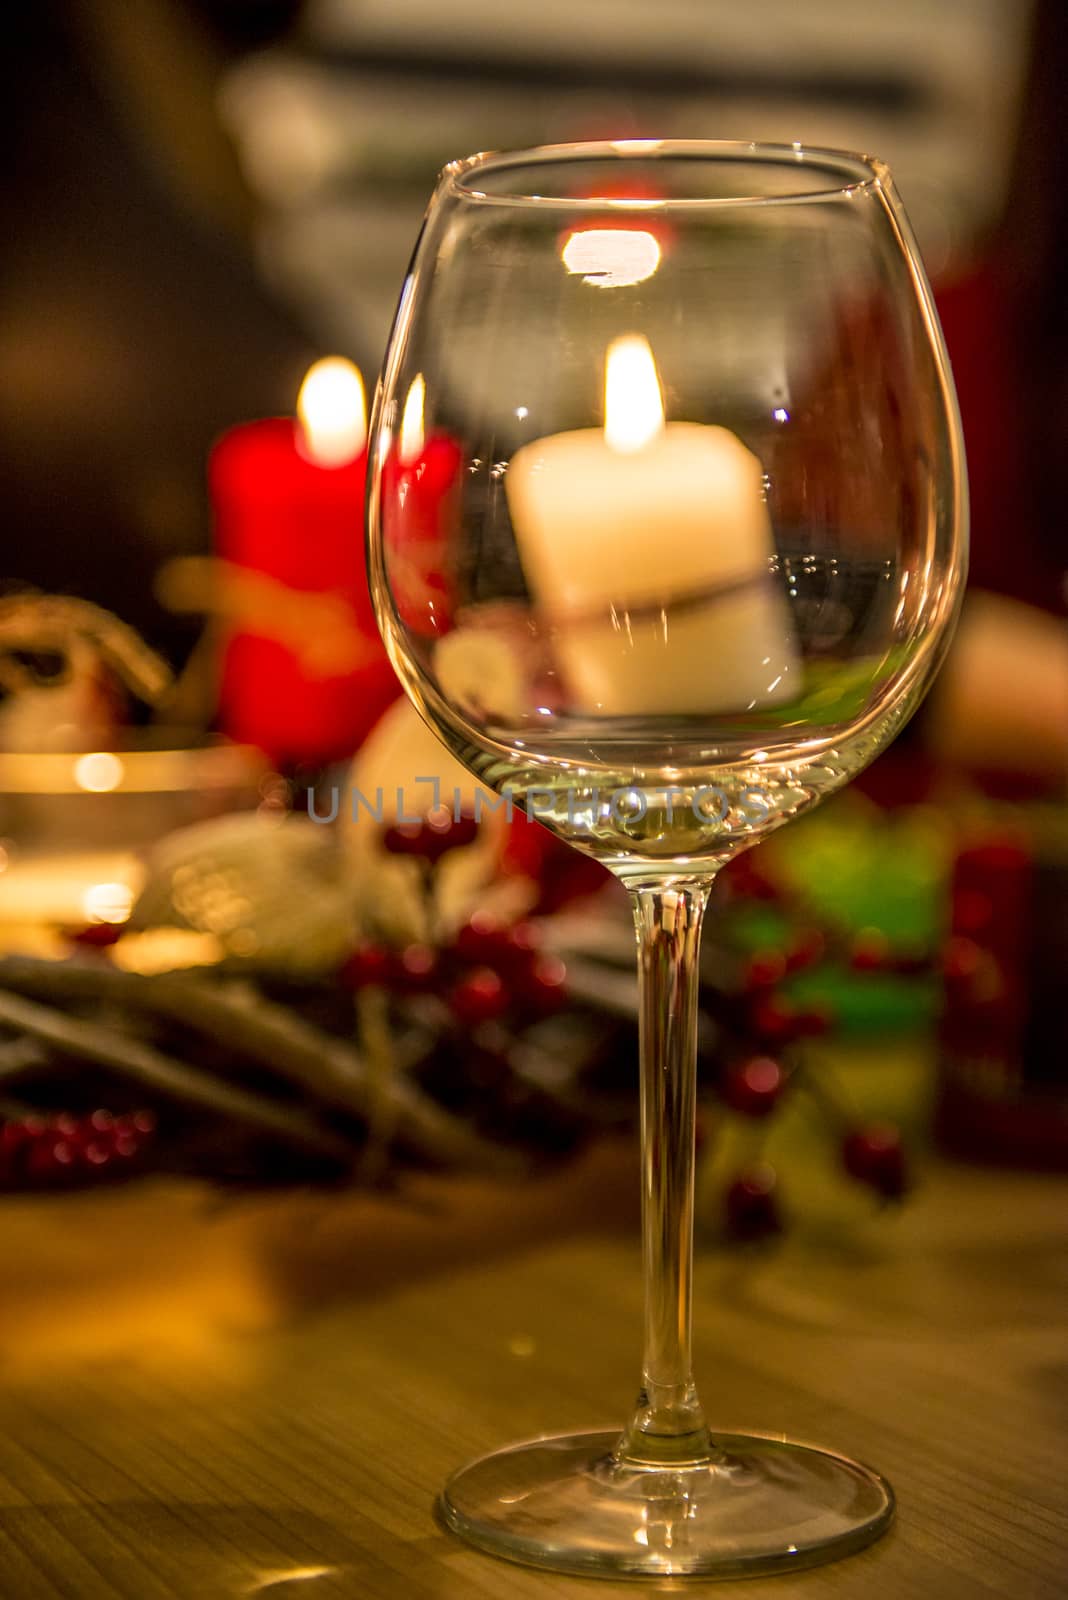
812	1021
486	939
753	1086
16	1140
417	967
20	1131
96	935
368	964
875	1156
751	1209
478	997
763	970
961	960
806	949
15	1132
870	952
431	836
404	839
452	832
524	940
125	1144
48	1158
544	984
482	938
64	1155
135	1125
773	1018
998	855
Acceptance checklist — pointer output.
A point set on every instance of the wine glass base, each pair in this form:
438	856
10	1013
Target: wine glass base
760	1504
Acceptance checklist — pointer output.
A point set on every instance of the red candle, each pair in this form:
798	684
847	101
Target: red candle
420	498
305	675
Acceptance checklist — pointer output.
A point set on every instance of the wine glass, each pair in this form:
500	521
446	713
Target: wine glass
667	536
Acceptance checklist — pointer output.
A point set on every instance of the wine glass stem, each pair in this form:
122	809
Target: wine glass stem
668	1425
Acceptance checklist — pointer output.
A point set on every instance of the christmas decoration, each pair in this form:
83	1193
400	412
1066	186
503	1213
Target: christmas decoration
484	1042
404	975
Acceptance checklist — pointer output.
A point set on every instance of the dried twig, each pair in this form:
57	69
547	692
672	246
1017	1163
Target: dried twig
20	1056
93	1042
242	1020
32	621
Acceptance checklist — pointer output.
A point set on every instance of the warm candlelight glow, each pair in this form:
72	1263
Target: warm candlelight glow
412	427
633	403
107	902
279	1576
610	257
99	771
647	545
332	409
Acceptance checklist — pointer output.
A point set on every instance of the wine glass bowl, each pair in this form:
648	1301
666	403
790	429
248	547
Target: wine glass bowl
667	521
598	616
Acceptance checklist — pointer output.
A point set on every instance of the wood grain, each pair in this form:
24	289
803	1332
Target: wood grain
263	1396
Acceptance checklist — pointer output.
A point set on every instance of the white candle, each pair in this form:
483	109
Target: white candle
625	533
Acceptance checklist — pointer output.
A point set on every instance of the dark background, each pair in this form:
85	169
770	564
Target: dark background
193	214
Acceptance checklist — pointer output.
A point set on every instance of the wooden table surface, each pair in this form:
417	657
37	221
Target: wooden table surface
261	1396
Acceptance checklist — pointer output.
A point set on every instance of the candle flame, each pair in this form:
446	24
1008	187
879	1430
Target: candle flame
98	771
633	403
610	257
410	447
108	902
332	409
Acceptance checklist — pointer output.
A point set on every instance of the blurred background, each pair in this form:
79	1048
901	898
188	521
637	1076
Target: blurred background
204	197
204	194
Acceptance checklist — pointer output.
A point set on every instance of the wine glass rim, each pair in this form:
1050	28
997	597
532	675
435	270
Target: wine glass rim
854	171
